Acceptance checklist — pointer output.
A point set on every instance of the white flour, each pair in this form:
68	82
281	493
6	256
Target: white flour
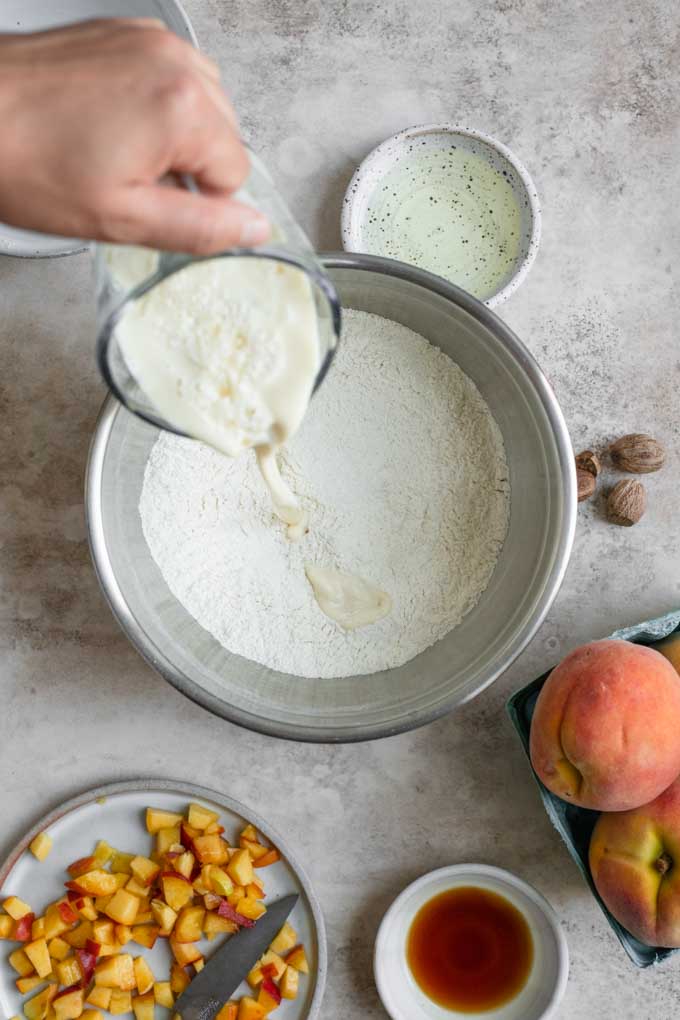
402	470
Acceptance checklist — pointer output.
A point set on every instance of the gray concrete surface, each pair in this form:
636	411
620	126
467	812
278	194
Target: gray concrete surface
588	94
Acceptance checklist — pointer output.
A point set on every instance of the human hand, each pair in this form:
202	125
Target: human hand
95	115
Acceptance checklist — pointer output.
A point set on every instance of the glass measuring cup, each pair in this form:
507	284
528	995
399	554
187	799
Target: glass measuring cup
124	275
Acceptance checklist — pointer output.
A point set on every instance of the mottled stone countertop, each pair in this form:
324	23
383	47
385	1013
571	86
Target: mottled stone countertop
588	95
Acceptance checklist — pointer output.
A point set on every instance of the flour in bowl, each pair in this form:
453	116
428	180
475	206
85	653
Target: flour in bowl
401	469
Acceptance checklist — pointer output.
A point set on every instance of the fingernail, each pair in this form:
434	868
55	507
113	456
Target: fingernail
254	231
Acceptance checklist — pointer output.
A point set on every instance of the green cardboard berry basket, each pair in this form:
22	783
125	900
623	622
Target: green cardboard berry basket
575	824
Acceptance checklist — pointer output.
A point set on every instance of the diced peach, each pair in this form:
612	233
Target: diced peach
123	934
184	952
120	863
157	819
16	908
255	890
249	1009
144	1006
68	1004
179	979
273	966
162	993
143	975
237	893
103	932
123	880
103	853
69	972
102	902
184	864
23	928
228	1012
250	908
144	870
110	949
199	964
39	956
240	868
249	833
215	925
200	817
58	949
145	915
220	881
67	913
189	924
91	1014
165	838
271	857
82	866
211	849
41	846
116	972
54	923
298	958
37	928
99	996
164	916
86	908
177	891
20	962
37	1007
121	1001
79	936
27	984
270	996
145	935
94	883
123	907
256	850
6	926
285	940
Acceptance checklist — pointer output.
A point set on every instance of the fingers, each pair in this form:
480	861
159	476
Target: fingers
177	220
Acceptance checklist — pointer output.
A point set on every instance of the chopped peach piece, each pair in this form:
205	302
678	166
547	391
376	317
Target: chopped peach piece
145	935
156	819
270	962
20	963
240	868
143	975
37	1007
215	925
270	996
162	993
144	1006
116	972
179	979
189	924
201	817
103	931
103	853
249	1009
298	958
99	996
27	984
123	907
184	952
121	1001
249	833
91	1014
144	870
38	954
177	891
285	940
250	908
289	983
120	863
123	934
271	857
211	849
79	936
220	881
6	926
68	1005
228	1012
164	915
38	929
16	908
58	949
256	850
41	846
165	838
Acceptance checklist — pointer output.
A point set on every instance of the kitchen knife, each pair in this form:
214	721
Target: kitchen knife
226	969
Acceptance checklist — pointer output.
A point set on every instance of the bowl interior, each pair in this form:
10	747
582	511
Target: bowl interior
522	586
364	190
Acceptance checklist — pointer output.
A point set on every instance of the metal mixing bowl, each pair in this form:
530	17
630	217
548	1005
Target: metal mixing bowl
522	588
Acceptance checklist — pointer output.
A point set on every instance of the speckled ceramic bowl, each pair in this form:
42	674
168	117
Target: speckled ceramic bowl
499	253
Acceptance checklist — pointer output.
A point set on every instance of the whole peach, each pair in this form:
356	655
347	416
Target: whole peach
635	864
606	728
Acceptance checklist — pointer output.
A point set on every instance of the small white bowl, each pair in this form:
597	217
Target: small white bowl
545	986
404	148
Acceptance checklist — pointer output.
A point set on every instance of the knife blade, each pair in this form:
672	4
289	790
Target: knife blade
226	969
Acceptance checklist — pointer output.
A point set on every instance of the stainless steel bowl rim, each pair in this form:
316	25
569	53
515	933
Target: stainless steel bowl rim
155	656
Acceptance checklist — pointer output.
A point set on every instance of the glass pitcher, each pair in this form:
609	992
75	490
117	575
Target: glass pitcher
124	274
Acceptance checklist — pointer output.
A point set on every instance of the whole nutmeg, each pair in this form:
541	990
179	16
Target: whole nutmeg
637	453
589	461
627	502
585	484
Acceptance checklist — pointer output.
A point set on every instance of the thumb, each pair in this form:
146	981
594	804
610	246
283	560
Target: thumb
173	219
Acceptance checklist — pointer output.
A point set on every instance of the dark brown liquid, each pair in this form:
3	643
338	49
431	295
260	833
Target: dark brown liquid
470	950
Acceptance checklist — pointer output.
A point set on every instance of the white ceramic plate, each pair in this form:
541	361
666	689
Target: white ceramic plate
361	202
116	813
538	1000
34	15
